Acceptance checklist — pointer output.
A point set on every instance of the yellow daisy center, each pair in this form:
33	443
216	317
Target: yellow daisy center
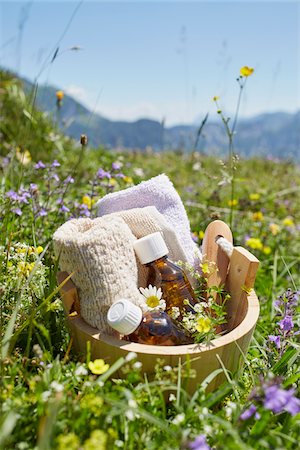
152	301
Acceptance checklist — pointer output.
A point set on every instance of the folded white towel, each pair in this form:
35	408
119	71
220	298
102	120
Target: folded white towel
143	221
100	253
158	192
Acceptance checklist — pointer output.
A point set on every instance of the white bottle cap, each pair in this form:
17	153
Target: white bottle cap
150	247
124	316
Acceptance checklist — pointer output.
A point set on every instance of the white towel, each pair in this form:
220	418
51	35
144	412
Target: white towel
158	192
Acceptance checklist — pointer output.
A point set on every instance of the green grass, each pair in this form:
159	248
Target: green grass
50	399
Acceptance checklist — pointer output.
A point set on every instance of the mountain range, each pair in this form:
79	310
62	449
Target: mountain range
275	135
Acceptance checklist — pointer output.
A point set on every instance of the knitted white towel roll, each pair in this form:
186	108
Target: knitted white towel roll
101	254
158	192
143	221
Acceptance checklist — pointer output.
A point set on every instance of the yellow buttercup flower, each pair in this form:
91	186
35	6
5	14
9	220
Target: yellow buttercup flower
266	250
258	216
254	197
201	234
216	98
88	201
39	249
59	95
128	180
288	222
98	367
274	228
254	243
233	202
203	325
246	71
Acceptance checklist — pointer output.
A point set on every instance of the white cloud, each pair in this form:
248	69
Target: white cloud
78	92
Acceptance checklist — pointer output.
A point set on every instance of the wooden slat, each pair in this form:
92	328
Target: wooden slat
213	253
69	294
240	280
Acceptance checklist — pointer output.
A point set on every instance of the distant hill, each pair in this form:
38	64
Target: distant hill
274	135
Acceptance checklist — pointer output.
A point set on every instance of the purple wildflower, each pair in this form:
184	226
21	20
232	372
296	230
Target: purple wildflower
286	324
84	210
33	187
24	195
276	340
249	412
55	177
40	165
55	164
199	443
116	166
42	213
12	195
120	175
60	201
64	208
17	211
69	180
279	400
103	174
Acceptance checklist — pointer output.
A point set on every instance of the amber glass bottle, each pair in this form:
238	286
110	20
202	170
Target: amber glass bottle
163	273
152	328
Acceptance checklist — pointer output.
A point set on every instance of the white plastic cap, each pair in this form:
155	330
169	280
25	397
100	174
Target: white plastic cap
124	316
150	247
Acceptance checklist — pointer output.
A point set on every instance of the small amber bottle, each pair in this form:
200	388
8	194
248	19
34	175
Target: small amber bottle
163	273
152	328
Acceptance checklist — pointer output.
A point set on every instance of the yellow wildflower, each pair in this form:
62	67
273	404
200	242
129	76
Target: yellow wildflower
86	200
201	234
23	157
246	71
208	267
254	243
216	98
25	268
98	366
274	228
233	202
59	95
112	181
258	216
266	250
254	197
203	325
39	249
288	222
96	441
128	180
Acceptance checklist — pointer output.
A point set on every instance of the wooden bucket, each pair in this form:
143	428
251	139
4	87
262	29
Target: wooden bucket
226	352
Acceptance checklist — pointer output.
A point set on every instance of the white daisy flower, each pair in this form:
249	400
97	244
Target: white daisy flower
153	297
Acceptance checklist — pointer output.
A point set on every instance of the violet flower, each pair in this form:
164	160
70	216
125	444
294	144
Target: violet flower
103	174
116	166
17	211
199	443
55	164
276	340
12	195
69	180
64	208
249	412
279	400
40	165
42	213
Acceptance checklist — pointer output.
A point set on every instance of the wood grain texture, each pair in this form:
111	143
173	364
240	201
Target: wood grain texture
213	253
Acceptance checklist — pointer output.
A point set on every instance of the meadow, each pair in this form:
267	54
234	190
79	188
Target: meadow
52	400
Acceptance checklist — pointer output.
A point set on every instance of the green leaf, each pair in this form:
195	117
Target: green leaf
288	358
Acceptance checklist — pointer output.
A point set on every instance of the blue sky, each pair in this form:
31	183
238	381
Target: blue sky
159	59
